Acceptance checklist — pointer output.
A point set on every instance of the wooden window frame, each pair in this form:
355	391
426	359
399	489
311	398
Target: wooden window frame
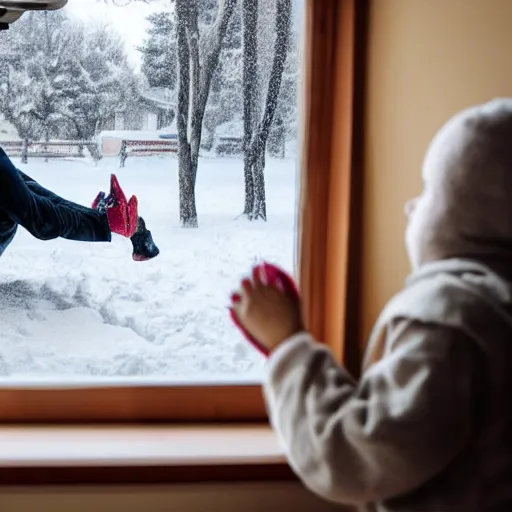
328	247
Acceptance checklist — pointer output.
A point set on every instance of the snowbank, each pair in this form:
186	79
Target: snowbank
110	141
73	309
132	134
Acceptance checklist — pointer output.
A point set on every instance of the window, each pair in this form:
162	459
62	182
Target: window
152	121
115	339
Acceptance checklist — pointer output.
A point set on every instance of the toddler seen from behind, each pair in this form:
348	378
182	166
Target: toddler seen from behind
428	426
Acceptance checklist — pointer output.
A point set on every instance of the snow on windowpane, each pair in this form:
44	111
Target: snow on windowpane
82	89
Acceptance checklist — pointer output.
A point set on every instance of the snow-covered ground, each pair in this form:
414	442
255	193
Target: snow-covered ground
72	309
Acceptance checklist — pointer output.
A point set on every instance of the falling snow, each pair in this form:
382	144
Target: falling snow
73	309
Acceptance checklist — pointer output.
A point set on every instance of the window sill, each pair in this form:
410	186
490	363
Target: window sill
58	455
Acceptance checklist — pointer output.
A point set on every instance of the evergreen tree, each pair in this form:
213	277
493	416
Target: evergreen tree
61	78
38	71
102	83
159	52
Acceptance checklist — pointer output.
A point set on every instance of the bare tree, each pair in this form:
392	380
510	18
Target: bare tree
256	136
197	61
250	66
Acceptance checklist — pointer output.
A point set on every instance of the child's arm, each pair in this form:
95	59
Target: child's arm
408	417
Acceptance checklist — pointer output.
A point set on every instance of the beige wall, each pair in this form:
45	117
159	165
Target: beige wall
221	498
427	60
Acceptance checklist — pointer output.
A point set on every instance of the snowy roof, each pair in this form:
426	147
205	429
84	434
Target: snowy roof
132	134
160	96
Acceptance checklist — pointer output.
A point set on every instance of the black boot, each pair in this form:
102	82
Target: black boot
144	247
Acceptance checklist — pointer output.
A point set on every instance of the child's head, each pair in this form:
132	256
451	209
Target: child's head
465	208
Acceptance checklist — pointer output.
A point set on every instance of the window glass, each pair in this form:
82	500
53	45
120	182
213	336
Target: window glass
96	89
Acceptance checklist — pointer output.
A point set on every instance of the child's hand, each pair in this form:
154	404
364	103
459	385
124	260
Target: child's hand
268	313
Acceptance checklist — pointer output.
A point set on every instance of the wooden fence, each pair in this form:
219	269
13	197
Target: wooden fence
51	149
146	148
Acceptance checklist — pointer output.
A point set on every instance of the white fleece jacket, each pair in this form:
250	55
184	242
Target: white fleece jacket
428	427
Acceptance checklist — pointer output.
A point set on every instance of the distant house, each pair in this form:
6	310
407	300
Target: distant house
153	114
154	109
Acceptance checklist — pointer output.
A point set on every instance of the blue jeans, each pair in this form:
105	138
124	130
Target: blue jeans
42	213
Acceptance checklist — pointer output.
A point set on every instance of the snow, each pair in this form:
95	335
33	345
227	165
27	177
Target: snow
7	131
132	134
73	310
163	97
231	129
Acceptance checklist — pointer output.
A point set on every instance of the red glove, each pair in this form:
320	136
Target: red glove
275	276
122	215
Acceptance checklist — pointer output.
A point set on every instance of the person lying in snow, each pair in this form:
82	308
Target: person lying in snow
46	216
428	426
